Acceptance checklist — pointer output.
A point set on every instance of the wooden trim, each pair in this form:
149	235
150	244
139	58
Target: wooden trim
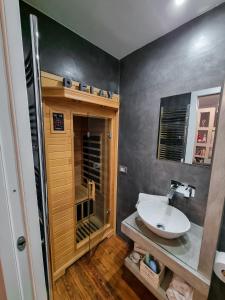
74	180
113	208
216	195
198	296
52	80
2	285
76	95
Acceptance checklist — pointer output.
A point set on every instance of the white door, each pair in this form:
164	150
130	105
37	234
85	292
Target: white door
15	265
23	271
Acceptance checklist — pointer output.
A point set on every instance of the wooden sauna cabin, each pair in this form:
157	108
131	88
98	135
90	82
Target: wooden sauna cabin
81	146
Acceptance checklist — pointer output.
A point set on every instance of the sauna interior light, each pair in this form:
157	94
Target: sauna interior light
179	2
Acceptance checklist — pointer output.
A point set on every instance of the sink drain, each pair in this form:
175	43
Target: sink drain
160	226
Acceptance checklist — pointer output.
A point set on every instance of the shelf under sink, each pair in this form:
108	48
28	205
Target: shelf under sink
160	292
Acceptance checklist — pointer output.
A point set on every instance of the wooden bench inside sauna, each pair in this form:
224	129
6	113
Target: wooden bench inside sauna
81	141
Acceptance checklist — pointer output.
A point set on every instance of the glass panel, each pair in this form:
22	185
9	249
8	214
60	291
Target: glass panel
81	187
91	165
96	169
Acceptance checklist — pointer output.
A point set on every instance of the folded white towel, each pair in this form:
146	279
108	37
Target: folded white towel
172	294
179	289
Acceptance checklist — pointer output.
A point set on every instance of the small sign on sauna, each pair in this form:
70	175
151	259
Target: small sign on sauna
58	121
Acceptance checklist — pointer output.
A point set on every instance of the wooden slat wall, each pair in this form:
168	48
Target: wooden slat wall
59	160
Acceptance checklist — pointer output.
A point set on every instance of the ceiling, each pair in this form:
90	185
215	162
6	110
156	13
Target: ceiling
121	26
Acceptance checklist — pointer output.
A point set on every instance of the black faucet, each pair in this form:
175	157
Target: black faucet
185	189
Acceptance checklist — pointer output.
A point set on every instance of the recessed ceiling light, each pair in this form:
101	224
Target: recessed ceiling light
179	2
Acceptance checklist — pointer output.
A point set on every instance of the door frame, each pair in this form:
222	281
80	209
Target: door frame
192	123
18	167
112	116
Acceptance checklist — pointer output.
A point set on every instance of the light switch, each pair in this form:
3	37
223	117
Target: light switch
123	169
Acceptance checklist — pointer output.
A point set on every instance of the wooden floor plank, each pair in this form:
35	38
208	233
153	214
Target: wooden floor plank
101	275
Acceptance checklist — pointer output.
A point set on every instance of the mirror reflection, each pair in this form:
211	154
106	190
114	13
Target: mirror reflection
187	126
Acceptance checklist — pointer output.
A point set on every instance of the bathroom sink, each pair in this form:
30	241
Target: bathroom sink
161	218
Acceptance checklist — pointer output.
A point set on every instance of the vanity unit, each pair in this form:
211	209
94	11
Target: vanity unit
167	234
81	141
180	256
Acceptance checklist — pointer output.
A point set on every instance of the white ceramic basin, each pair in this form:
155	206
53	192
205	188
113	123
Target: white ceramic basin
161	218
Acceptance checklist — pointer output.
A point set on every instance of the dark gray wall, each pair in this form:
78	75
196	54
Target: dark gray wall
188	59
65	53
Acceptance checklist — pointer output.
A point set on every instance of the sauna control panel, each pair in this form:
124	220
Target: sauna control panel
58	121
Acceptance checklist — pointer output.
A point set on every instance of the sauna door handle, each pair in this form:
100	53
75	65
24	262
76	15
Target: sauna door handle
91	189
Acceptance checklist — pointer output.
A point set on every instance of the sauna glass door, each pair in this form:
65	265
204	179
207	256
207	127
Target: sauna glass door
91	161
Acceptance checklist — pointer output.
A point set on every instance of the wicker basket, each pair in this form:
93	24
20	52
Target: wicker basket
151	277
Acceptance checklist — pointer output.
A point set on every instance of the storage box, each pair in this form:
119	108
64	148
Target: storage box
140	249
151	277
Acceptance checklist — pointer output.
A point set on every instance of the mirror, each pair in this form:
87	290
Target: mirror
187	126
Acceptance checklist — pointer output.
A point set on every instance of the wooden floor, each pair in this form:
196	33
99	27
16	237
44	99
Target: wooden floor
101	276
